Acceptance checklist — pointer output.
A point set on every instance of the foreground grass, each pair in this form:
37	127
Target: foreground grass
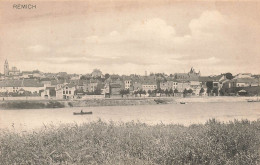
236	142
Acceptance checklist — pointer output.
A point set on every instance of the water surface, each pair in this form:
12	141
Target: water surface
186	114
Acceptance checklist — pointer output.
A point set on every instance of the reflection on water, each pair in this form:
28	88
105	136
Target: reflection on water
185	114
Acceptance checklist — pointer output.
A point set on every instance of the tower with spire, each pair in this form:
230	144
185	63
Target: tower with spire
6	68
193	72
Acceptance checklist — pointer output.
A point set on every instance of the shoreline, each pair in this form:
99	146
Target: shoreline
52	104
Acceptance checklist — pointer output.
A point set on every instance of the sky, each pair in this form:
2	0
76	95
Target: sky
131	37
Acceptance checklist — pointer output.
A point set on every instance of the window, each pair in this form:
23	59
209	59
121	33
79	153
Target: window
63	92
66	92
69	92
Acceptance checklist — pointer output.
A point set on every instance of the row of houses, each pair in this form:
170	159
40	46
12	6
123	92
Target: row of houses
114	84
20	86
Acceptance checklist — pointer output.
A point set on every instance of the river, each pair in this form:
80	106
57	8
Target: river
186	114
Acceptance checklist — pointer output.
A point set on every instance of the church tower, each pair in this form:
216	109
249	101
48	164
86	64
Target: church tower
6	68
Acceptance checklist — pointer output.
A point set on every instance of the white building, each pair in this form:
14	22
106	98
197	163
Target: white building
66	92
127	84
14	86
148	87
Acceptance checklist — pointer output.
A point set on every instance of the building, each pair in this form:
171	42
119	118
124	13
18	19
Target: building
115	89
166	85
49	92
214	83
13	86
170	83
31	74
182	85
187	76
106	90
243	75
6	68
66	92
10	72
14	72
128	84
244	82
148	83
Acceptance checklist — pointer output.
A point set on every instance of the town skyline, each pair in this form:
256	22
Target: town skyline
146	73
132	37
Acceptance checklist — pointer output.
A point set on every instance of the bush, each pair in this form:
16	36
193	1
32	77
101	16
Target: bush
70	104
55	104
22	105
30	105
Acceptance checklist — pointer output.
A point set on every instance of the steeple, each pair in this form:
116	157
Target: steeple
191	70
6	68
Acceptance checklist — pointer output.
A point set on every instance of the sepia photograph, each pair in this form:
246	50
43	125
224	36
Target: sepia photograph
129	82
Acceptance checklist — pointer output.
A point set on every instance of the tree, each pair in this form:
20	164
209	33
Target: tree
209	85
135	93
149	92
208	91
166	92
176	91
222	91
107	76
83	78
190	91
215	90
229	76
185	92
140	92
154	91
202	90
144	92
161	90
127	91
124	92
97	92
171	91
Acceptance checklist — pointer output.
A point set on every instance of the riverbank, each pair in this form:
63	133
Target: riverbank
31	104
215	99
43	103
235	142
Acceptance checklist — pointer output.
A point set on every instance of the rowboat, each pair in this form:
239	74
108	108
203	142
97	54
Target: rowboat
82	113
183	103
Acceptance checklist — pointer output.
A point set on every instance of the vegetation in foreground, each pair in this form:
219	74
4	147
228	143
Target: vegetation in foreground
236	142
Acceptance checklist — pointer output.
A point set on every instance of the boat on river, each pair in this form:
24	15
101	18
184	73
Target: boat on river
183	103
82	113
